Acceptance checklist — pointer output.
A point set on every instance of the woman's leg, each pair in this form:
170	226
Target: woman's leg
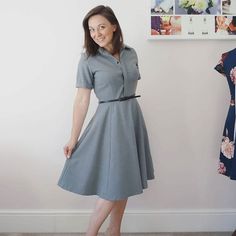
116	215
102	210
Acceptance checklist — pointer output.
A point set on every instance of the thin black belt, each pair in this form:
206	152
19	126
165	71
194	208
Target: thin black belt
121	99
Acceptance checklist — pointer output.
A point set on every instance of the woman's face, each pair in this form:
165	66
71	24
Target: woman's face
101	31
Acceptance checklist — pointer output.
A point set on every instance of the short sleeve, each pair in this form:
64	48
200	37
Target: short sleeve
84	77
139	76
220	66
137	65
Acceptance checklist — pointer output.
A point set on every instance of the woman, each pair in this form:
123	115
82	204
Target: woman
112	157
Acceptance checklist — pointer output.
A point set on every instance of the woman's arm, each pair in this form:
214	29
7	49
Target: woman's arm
80	108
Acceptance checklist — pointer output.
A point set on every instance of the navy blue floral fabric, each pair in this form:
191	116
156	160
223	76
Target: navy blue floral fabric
227	163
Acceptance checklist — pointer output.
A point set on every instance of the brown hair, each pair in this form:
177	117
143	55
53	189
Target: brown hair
117	41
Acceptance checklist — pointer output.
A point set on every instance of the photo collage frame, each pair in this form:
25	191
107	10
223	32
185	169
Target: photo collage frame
192	19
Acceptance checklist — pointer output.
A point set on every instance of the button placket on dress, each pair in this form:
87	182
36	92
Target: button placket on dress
125	80
119	64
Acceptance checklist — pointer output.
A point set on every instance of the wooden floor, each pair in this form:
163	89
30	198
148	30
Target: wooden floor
123	234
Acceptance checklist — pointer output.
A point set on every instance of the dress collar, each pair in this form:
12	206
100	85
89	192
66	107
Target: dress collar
104	51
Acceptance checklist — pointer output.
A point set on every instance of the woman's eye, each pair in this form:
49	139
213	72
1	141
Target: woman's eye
102	27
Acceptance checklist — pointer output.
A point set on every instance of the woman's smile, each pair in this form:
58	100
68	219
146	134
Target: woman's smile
101	31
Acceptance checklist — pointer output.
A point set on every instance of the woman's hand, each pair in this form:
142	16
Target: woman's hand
80	109
68	148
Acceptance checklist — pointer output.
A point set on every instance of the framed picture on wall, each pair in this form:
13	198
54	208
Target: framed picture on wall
192	19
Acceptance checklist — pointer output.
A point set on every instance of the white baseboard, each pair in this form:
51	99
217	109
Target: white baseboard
52	221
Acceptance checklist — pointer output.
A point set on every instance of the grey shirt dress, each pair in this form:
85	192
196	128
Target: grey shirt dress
112	157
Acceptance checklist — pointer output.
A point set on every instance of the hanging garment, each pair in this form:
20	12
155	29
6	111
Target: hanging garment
227	164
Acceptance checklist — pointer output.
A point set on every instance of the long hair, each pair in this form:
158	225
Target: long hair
90	46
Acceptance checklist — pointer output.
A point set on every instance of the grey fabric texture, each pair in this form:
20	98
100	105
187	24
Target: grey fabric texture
112	157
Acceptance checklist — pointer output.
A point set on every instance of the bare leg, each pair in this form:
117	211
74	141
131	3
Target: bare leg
116	215
102	210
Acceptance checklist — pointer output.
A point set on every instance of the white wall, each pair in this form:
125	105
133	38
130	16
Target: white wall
184	101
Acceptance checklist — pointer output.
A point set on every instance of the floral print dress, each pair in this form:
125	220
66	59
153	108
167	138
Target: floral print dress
227	164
